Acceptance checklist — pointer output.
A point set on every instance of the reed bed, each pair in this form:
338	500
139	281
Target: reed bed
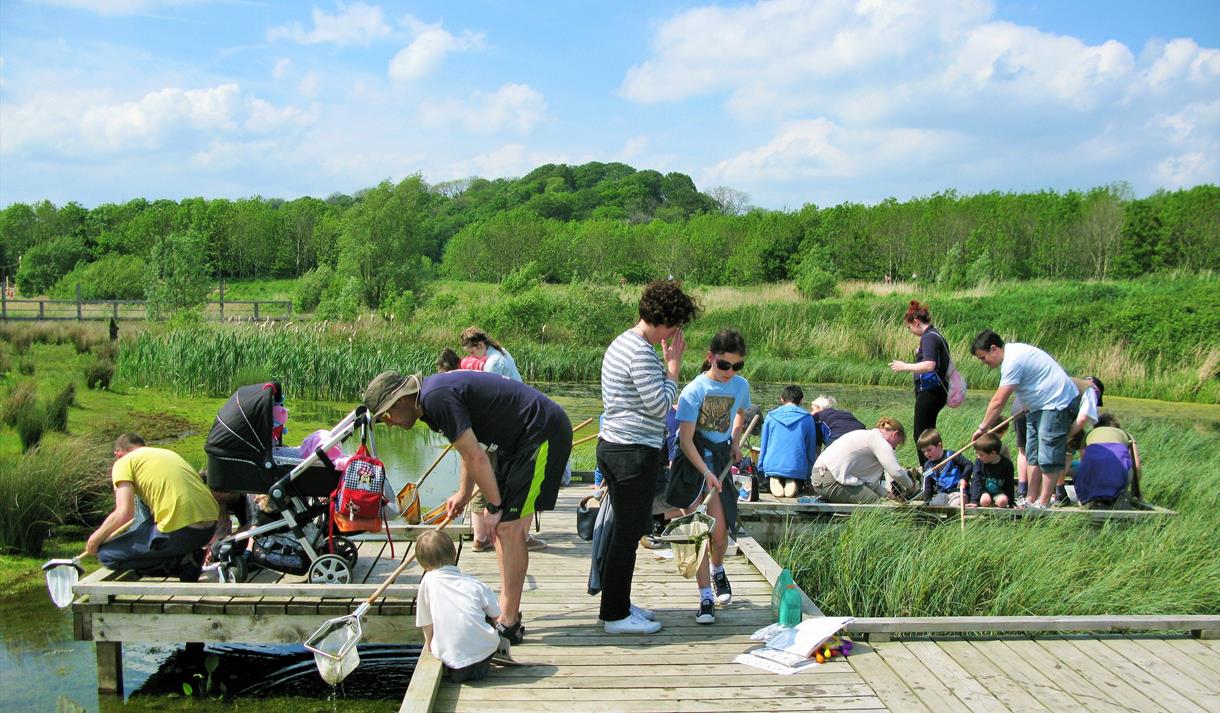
894	564
1143	338
61	482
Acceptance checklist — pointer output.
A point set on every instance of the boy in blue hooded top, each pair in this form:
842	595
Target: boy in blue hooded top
944	487
789	444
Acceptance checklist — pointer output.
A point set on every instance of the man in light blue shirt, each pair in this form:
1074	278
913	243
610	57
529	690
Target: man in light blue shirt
1050	399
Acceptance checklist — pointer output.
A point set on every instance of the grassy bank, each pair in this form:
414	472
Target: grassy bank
891	564
1147	338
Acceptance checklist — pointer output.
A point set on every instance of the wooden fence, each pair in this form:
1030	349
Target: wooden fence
84	310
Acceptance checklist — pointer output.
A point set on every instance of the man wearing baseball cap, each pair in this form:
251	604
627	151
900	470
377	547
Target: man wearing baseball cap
534	439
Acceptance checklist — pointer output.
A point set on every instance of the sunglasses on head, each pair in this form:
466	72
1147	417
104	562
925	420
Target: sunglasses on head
723	365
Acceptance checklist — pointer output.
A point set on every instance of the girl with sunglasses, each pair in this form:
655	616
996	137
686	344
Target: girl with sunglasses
710	421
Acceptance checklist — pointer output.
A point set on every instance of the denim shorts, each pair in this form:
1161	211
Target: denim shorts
1046	437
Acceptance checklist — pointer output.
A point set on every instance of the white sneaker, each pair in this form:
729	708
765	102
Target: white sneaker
632	624
643	613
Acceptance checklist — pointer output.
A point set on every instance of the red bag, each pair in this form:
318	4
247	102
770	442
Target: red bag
356	505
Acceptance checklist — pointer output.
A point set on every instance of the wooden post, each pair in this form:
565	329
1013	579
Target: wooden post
41	309
78	305
4	300
115	305
222	300
110	667
256	310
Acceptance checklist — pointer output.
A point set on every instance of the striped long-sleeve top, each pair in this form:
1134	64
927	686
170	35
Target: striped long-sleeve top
635	392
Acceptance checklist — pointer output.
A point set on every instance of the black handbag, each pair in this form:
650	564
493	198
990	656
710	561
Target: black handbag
586	517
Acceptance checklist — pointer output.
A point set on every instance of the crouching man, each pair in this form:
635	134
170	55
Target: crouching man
175	514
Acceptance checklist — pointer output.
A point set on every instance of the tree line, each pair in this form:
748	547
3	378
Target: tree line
597	222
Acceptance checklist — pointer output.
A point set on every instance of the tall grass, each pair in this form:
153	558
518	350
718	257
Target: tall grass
58	483
1143	338
893	564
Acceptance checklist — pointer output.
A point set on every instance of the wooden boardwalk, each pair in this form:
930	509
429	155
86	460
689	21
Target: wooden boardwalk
573	666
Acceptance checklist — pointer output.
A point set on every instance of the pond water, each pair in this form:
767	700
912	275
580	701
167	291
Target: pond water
40	662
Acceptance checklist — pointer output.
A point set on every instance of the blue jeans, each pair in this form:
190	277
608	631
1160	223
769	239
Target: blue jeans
148	551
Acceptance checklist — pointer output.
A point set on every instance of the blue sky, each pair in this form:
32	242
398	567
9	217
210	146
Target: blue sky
791	101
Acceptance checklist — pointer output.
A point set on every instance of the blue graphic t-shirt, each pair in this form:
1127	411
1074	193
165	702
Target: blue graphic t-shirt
712	405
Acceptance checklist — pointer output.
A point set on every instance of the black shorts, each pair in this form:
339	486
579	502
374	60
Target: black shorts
529	479
1019	425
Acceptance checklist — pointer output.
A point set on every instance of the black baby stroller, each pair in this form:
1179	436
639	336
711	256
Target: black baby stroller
290	531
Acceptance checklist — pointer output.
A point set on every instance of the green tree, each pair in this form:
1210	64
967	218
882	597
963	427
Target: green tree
179	275
1143	241
43	264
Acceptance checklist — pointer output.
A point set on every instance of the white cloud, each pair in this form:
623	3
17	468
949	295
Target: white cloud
94	123
310	85
430	46
506	161
514	107
355	24
1183	59
819	148
633	148
1188	169
281	69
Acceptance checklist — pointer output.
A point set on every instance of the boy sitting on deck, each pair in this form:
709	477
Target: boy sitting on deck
993	481
455	611
943	486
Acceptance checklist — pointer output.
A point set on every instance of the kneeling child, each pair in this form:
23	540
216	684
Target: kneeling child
455	611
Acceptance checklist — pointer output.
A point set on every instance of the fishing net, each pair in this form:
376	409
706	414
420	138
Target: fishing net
687	537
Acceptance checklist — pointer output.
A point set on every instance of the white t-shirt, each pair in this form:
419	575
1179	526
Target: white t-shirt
863	458
457	605
1040	382
1088	406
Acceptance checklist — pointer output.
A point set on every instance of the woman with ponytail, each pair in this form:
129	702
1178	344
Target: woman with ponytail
930	368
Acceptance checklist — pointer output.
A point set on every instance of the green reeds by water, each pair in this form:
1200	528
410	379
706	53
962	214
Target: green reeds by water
1143	338
894	564
59	482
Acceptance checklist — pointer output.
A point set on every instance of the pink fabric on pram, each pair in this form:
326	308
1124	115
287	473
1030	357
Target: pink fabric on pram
316	439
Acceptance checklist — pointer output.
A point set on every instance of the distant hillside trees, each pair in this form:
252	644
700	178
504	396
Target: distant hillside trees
604	222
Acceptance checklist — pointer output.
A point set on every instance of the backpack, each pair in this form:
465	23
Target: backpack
957	383
356	505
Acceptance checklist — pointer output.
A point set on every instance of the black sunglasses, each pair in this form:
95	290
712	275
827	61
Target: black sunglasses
723	365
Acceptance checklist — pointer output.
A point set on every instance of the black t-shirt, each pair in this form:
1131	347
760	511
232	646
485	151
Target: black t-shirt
932	348
500	411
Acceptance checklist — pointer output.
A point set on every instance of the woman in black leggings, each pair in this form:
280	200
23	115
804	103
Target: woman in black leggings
930	368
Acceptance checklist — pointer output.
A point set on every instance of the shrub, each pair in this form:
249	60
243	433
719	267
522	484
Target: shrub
814	283
399	307
61	482
26	366
111	277
22	340
24	395
108	351
57	412
311	287
523	278
99	374
82	341
31	424
342	301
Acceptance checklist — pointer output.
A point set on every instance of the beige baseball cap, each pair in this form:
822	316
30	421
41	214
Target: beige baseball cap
387	388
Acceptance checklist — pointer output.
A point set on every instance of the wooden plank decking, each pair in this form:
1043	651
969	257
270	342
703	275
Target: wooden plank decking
573	666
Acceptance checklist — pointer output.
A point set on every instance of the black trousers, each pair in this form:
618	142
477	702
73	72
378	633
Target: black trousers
630	473
928	405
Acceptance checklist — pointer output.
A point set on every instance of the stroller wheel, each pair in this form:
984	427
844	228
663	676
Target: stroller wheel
235	570
348	550
330	569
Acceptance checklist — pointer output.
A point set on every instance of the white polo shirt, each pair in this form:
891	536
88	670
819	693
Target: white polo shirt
457	605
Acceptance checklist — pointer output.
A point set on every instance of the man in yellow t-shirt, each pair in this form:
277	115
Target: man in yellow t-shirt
176	513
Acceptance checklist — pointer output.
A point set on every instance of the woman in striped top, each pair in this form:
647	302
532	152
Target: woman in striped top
638	388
